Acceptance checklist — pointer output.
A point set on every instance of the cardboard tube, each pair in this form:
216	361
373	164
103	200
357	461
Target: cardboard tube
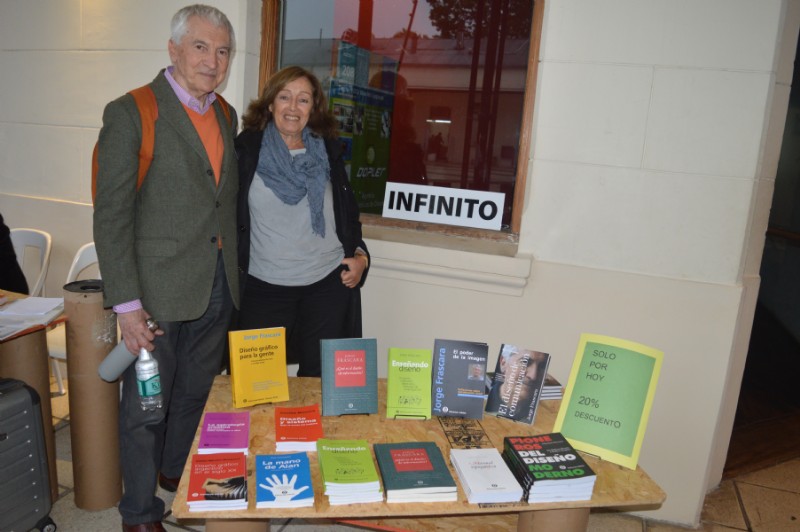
238	525
93	403
26	358
561	520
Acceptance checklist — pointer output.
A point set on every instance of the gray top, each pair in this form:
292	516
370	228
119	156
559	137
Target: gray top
283	248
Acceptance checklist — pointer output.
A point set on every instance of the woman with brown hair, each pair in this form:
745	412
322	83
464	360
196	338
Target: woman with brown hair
302	258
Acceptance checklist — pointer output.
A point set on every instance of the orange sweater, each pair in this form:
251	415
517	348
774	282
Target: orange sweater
208	129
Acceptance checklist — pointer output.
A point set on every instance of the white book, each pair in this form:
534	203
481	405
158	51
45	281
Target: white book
485	476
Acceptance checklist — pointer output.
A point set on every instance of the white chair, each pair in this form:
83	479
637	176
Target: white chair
35	270
56	338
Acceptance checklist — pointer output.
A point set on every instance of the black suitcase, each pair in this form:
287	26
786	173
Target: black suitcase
24	484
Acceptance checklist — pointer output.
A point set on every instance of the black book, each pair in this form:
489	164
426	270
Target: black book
548	468
517	385
459	371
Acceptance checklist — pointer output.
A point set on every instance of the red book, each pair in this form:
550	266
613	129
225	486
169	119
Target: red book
217	482
297	428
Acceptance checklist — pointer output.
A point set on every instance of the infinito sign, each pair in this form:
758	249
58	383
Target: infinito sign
453	206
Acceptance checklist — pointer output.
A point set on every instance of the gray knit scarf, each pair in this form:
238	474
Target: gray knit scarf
292	178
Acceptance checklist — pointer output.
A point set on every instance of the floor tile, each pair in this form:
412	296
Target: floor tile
785	476
63	444
64	472
770	510
193	525
722	507
70	518
614	522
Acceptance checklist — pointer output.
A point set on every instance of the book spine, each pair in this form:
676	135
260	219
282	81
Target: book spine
518	470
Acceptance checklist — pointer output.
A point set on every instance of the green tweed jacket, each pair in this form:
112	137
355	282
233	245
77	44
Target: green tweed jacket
160	243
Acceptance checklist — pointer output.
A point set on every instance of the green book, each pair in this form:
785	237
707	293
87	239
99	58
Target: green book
414	472
349	376
408	387
346	464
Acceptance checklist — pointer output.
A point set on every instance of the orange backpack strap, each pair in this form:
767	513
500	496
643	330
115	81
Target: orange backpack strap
225	109
148	112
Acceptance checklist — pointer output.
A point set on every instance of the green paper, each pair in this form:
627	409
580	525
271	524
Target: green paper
608	397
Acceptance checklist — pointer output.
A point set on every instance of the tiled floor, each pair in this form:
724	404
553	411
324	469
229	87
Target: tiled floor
763	501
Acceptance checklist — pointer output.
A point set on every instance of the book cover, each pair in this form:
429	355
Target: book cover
297	427
459	370
349	376
414	467
224	432
217	481
485	476
347	463
517	386
283	481
258	366
408	383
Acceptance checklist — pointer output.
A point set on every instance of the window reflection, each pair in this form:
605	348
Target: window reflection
426	92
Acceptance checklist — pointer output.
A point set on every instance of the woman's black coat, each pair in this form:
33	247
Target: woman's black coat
345	208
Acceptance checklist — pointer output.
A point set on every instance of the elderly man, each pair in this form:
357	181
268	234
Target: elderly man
167	249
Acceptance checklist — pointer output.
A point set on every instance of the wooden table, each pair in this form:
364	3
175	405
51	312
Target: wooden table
25	357
616	487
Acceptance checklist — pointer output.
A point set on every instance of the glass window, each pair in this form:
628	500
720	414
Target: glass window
427	92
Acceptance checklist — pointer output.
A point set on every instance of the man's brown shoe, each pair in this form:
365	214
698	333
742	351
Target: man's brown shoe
154	526
169	484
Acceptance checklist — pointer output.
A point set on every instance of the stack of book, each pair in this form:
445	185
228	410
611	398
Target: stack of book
549	468
297	428
484	476
283	481
217	482
414	472
225	432
552	389
348	472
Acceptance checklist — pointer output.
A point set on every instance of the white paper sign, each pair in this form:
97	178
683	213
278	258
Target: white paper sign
442	205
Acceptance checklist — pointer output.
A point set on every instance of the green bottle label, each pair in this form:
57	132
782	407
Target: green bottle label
150	387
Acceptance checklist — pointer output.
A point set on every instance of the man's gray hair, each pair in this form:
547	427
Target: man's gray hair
180	22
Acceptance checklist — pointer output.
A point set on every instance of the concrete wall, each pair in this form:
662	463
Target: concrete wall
656	133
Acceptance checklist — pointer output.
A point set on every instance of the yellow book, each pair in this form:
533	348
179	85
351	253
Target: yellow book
258	366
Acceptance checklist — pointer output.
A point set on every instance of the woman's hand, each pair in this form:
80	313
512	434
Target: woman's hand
355	269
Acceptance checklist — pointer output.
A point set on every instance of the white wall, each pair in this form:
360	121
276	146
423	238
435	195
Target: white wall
63	61
655	144
657	128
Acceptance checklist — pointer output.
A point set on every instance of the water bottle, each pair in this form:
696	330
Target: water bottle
118	360
149	381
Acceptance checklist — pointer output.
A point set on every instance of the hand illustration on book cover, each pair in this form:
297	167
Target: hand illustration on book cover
221	489
518	380
282	488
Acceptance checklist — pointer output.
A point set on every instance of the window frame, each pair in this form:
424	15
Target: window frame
425	233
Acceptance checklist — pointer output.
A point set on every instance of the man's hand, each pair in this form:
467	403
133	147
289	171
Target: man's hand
283	489
135	332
